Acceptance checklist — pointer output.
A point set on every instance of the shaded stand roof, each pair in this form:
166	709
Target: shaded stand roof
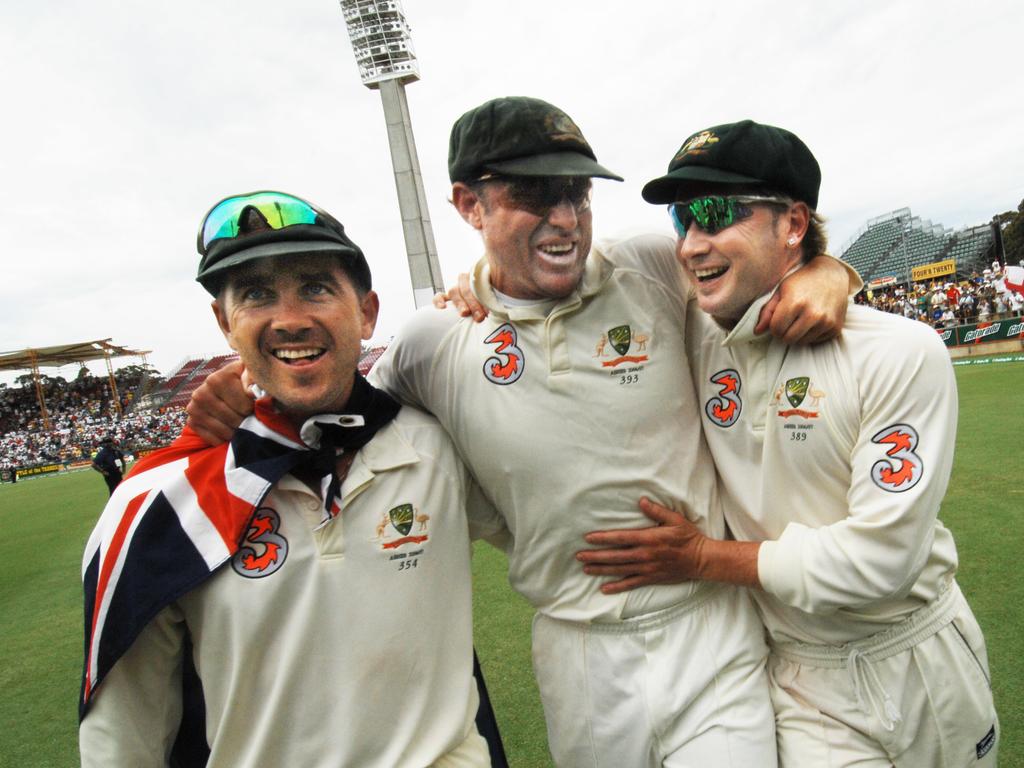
64	354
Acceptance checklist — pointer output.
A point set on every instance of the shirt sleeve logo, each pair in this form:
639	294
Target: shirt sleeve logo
724	408
264	549
902	469
508	362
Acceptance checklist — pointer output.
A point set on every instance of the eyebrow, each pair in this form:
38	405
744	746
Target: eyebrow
248	280
323	276
258	277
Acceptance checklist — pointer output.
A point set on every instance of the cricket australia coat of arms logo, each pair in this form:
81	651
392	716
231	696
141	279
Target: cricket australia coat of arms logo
402	524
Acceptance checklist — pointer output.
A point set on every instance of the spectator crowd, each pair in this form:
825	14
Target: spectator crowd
81	413
978	299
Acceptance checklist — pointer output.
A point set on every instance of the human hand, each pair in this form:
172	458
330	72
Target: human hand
665	553
463	298
218	406
809	306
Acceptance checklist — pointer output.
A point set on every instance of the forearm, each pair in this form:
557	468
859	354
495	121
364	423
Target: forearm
732	562
838	269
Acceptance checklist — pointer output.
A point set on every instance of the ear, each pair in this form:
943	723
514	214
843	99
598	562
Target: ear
794	224
468	204
369	305
222	320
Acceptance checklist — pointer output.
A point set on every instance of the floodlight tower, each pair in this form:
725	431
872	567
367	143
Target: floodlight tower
382	46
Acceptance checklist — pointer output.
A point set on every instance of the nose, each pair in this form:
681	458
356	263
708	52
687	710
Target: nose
696	243
563	215
291	317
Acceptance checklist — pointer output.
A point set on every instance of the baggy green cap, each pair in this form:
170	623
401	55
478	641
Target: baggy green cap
746	154
520	136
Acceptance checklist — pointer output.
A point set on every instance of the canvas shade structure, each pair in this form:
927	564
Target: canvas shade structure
34	358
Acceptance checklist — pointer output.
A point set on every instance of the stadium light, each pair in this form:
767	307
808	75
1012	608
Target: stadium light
382	44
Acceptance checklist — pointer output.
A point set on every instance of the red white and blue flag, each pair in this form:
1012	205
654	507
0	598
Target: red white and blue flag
172	522
1013	277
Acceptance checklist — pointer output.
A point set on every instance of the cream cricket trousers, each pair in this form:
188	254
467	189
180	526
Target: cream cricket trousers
680	687
471	753
914	696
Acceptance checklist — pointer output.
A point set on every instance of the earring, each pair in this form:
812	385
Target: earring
791	241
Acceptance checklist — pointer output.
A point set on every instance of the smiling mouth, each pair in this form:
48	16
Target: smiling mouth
703	275
299	356
557	251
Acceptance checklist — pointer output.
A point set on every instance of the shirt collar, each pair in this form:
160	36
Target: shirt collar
387	450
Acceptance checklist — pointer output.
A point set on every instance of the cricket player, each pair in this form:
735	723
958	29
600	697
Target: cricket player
833	461
316	569
568	401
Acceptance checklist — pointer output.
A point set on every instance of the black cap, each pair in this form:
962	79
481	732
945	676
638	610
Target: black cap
520	136
746	154
325	235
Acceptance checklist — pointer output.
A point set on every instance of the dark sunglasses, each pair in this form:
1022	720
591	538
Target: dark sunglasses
539	194
714	212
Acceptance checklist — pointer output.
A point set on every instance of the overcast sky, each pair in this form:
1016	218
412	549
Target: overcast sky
123	122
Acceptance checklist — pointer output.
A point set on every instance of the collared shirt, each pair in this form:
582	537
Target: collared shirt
567	415
346	644
836	456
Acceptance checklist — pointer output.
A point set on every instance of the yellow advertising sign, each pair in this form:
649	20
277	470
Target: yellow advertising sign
46	469
935	269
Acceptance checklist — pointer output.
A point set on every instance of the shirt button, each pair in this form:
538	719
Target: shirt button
313	505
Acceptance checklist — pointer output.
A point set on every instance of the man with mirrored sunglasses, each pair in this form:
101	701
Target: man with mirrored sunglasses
833	461
314	570
569	401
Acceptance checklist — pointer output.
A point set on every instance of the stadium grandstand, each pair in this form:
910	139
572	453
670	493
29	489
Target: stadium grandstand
50	424
954	280
887	248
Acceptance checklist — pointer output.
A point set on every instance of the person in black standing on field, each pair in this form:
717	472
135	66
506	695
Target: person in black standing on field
109	462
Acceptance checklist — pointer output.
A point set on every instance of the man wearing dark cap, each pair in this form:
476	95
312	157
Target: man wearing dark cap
833	461
315	569
569	401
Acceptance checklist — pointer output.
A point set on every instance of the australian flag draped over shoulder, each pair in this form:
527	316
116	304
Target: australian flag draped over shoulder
183	511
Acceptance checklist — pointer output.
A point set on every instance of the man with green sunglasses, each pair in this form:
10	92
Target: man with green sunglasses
571	399
833	461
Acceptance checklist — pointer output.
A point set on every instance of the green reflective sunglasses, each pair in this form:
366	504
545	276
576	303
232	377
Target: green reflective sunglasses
715	212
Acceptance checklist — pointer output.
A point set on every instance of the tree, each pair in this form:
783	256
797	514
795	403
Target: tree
1013	234
26	381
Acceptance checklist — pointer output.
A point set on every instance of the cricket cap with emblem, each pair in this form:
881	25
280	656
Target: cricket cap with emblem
746	154
519	136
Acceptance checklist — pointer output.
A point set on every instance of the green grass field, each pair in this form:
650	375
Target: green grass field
46	521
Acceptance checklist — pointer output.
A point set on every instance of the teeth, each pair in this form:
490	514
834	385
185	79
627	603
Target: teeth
705	273
296	354
556	249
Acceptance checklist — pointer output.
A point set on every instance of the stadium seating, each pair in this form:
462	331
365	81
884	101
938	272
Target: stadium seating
370	356
180	397
894	243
